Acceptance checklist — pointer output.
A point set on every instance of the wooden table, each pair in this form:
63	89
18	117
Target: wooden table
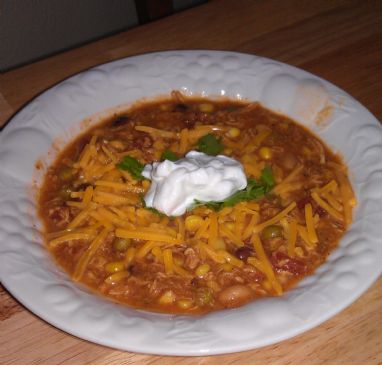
338	40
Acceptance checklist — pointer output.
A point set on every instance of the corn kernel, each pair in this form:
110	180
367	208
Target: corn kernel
116	266
130	255
206	107
167	298
202	270
116	277
265	153
234	132
230	226
193	222
184	303
227	267
299	251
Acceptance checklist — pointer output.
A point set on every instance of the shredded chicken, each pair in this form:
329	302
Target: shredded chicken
192	259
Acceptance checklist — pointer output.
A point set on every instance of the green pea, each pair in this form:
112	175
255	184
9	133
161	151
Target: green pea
121	244
203	296
66	174
272	232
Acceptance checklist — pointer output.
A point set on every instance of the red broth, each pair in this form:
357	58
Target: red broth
214	256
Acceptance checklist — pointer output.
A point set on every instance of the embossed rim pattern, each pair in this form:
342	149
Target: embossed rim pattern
28	272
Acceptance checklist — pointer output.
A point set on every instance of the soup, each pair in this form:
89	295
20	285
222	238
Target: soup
259	241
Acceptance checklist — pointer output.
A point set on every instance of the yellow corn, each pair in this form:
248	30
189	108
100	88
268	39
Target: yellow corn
234	132
167	298
130	255
202	270
118	276
116	266
193	223
227	267
299	251
184	303
265	153
230	226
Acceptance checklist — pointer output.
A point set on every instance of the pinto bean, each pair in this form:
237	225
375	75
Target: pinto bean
235	295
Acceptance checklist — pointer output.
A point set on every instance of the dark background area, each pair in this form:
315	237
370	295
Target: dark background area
34	29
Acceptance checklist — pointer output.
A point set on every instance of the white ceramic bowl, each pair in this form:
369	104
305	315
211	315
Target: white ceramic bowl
28	272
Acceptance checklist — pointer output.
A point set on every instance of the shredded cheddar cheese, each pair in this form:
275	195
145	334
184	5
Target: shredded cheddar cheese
147	236
168	261
88	254
275	219
71	237
191	258
120	186
327	207
310	224
265	264
156	132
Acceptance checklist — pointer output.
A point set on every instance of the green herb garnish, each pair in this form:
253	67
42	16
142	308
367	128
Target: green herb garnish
267	178
133	166
254	190
155	211
210	145
169	155
151	209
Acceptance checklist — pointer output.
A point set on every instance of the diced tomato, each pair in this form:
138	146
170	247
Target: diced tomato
282	262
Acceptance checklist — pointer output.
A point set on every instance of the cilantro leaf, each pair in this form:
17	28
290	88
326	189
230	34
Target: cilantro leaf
254	190
210	145
267	178
133	166
211	204
155	211
169	155
151	209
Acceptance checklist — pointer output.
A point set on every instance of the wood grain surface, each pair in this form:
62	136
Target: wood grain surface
338	40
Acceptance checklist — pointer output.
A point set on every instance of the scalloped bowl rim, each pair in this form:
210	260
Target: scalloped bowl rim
60	112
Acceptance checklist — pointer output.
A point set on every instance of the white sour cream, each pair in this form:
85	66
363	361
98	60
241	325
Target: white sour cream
176	185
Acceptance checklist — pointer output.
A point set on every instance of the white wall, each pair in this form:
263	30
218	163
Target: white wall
30	29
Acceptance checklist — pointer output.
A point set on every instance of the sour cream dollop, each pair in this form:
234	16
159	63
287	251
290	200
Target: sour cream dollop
176	185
